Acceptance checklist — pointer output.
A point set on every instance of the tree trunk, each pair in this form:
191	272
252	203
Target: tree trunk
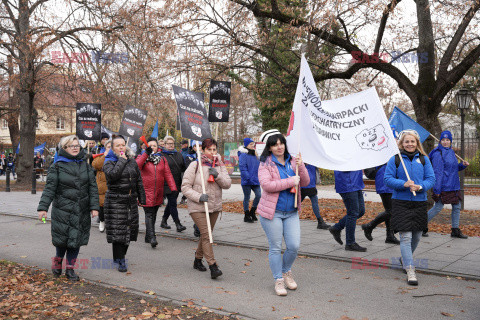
427	116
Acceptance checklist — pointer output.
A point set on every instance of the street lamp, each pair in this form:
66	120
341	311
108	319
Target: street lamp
463	98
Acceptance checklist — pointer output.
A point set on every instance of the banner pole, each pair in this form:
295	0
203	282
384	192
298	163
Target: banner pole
199	158
431	135
216	131
406	172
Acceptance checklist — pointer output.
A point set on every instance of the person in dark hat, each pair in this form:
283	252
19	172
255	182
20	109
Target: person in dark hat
100	147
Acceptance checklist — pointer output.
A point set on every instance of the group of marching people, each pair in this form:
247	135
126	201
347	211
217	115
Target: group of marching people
117	182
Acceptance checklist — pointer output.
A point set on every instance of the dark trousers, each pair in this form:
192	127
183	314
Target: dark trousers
72	254
150	219
387	202
171	207
355	209
101	215
119	251
246	196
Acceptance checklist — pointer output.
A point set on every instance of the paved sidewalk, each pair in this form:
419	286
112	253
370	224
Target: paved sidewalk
437	254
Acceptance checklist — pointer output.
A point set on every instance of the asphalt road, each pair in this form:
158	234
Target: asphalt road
327	289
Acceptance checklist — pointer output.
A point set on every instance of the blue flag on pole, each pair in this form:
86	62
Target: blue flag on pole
400	121
39	148
155	131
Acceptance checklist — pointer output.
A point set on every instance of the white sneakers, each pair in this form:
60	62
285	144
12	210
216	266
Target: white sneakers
289	282
411	276
280	288
286	281
101	226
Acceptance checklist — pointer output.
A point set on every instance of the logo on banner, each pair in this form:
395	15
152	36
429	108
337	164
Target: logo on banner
88	133
219	114
197	131
133	146
290	123
373	138
130	131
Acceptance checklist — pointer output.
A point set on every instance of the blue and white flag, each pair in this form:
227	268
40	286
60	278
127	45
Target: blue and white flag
401	121
155	131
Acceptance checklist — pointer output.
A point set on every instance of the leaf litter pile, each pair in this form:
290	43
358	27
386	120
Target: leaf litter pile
30	293
334	209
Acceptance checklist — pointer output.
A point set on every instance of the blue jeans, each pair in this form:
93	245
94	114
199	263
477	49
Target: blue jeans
408	243
315	207
246	196
72	254
355	209
438	206
287	226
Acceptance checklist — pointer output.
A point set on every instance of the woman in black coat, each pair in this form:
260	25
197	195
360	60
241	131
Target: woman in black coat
177	167
125	186
72	188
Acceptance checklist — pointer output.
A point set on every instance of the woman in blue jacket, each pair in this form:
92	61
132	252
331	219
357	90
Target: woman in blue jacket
311	192
386	196
349	185
409	211
248	163
447	185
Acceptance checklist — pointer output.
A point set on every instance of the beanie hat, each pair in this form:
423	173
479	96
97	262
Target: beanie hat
104	135
267	134
184	141
247	141
446	134
192	143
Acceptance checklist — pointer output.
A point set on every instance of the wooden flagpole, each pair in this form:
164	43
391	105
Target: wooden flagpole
406	172
431	135
199	158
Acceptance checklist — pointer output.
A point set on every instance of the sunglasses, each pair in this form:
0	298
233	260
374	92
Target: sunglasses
405	132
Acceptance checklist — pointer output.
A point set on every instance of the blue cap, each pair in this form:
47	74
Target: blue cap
247	141
446	134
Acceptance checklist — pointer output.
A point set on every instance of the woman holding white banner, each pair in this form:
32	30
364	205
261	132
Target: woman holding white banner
409	199
278	215
216	178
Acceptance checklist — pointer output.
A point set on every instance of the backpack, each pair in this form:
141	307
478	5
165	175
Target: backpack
371	173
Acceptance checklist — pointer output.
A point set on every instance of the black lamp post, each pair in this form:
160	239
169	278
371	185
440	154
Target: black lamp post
463	98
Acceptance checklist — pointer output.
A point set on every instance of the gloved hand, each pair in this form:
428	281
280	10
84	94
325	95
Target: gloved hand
213	172
149	150
204	197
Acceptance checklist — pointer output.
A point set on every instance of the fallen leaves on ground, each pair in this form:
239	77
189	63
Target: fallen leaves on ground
29	293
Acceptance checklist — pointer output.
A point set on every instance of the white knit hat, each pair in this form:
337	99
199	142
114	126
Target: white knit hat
267	134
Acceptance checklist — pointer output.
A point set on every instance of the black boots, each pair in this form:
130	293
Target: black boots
336	234
214	271
355	247
196	231
122	265
253	214
457	233
71	275
322	225
150	229
197	264
179	226
57	267
164	224
390	234
381	217
425	233
247	217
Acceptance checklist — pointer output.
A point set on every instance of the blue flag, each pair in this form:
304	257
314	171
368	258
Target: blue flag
155	131
39	148
401	121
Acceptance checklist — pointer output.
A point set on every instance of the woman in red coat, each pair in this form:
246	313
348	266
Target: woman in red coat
155	172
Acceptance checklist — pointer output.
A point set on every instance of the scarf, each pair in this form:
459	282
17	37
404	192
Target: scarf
208	161
410	155
155	158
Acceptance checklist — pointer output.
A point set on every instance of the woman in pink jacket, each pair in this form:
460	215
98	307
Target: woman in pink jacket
278	215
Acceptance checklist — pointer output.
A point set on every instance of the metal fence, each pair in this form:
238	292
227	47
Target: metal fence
472	155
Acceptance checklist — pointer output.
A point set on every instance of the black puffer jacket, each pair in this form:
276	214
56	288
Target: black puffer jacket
124	188
177	167
409	215
72	188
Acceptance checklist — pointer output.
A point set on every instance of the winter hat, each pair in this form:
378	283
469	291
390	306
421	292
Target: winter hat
267	134
192	143
247	141
104	135
184	141
446	134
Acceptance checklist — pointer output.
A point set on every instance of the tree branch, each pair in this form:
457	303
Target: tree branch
383	23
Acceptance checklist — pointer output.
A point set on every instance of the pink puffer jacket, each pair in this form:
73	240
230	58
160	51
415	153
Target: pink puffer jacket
272	184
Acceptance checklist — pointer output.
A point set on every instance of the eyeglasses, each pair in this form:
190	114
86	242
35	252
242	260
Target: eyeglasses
170	143
412	132
74	146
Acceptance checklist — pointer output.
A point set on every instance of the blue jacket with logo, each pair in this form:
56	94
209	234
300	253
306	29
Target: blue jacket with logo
248	164
286	199
446	168
422	175
348	181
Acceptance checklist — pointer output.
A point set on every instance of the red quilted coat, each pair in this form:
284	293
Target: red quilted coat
154	177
